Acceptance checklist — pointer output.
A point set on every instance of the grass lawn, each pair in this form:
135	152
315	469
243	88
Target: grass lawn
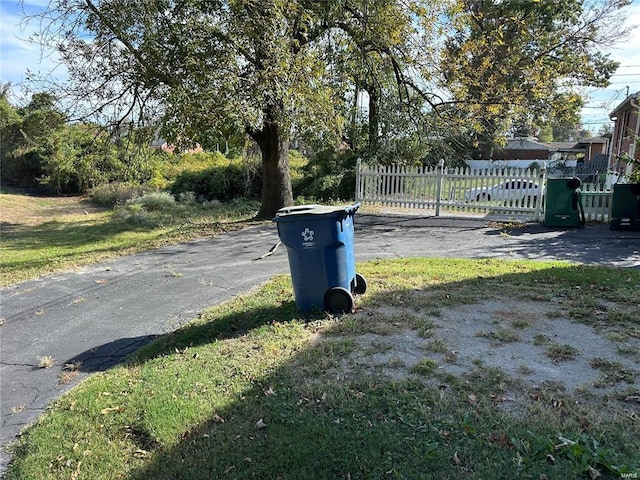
254	389
42	235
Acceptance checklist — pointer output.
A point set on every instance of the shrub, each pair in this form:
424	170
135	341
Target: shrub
243	207
117	193
154	202
328	176
136	214
175	165
187	198
21	170
223	182
150	210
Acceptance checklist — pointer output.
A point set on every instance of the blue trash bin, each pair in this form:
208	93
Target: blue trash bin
319	241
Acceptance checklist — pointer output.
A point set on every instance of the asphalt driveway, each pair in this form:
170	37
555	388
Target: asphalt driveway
100	314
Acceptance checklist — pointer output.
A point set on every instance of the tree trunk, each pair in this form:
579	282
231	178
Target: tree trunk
488	141
276	179
374	116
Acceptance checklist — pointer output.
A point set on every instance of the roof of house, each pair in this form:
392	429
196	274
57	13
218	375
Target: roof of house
623	106
593	140
530	143
525	143
563	146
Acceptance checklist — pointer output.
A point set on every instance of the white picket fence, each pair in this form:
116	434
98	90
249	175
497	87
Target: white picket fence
596	200
458	190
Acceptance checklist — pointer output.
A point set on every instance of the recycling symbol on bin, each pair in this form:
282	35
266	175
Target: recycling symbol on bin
307	235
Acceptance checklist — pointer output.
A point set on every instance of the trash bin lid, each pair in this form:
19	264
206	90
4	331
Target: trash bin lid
301	210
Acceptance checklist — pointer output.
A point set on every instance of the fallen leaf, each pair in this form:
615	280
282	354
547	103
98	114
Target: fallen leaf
76	473
269	391
501	439
104	411
260	424
472	399
456	460
593	473
218	419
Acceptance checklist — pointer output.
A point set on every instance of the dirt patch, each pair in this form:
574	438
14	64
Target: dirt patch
526	340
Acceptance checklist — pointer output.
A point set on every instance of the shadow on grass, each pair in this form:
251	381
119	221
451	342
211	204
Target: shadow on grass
309	417
108	355
302	421
225	327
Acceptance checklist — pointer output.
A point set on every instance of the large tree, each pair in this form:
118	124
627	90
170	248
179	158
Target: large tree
523	60
200	66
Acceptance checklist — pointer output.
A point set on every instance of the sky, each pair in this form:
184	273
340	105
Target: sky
17	55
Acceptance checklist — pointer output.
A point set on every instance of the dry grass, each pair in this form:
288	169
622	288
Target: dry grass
46	361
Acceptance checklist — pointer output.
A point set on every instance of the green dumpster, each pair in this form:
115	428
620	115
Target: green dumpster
625	207
563	205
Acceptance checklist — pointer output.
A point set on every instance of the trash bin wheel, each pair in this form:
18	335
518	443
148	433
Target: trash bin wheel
338	300
361	285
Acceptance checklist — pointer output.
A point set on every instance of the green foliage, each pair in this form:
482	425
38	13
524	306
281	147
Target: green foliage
40	150
213	176
583	452
534	166
224	181
519	62
8	114
353	74
634	176
328	176
268	69
26	139
297	165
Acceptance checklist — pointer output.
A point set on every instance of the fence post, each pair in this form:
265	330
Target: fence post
358	186
542	188
439	185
